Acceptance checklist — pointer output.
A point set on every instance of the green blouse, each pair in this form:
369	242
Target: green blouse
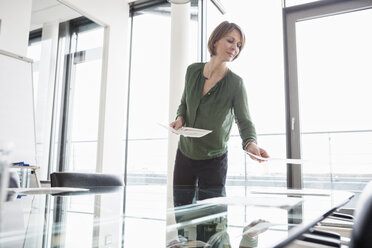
215	111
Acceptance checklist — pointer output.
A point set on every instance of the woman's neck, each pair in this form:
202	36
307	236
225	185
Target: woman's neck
214	67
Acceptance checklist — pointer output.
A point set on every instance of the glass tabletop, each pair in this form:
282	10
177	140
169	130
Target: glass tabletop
102	217
143	216
255	217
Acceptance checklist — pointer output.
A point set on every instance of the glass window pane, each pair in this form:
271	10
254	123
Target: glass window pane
334	61
149	93
90	39
86	94
34	51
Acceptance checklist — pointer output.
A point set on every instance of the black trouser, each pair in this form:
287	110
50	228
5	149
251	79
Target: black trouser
198	179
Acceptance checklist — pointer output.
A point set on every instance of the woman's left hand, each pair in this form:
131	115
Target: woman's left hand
258	151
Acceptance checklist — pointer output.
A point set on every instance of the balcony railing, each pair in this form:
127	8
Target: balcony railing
346	160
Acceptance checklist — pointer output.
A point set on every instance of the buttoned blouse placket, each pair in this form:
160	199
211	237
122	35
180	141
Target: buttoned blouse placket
201	81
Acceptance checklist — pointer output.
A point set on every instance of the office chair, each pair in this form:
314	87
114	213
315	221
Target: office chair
77	179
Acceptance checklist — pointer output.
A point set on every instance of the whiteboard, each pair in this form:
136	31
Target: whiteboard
17	123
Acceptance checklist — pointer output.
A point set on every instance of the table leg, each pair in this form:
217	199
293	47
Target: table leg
36	178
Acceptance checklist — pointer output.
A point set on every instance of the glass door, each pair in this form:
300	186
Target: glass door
329	80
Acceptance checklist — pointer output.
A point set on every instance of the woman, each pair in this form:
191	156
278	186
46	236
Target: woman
213	98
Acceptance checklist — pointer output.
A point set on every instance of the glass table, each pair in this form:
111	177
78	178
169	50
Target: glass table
138	216
253	217
103	217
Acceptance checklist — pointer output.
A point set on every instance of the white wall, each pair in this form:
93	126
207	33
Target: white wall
15	18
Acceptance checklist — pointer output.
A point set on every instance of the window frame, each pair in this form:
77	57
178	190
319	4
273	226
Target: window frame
66	55
290	16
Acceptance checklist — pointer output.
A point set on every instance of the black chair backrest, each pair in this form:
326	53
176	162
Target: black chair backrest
361	236
76	179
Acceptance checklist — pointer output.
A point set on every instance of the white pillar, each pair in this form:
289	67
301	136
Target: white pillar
180	20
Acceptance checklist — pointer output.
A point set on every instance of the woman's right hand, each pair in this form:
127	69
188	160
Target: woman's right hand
256	150
177	124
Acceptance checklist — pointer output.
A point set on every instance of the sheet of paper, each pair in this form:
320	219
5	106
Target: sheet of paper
32	167
284	160
258	228
278	202
262	226
187	131
52	190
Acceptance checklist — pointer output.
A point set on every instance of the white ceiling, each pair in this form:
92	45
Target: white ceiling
45	11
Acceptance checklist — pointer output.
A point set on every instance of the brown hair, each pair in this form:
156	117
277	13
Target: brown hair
222	30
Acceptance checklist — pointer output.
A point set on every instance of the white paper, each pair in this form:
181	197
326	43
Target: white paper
52	190
31	167
278	202
261	227
285	160
258	228
188	131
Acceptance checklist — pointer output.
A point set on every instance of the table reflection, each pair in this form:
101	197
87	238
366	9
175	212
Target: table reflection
206	225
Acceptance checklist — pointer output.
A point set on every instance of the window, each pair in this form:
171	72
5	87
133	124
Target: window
334	85
77	96
329	56
84	100
149	92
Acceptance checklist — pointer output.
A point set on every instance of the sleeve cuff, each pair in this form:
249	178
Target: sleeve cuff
248	142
